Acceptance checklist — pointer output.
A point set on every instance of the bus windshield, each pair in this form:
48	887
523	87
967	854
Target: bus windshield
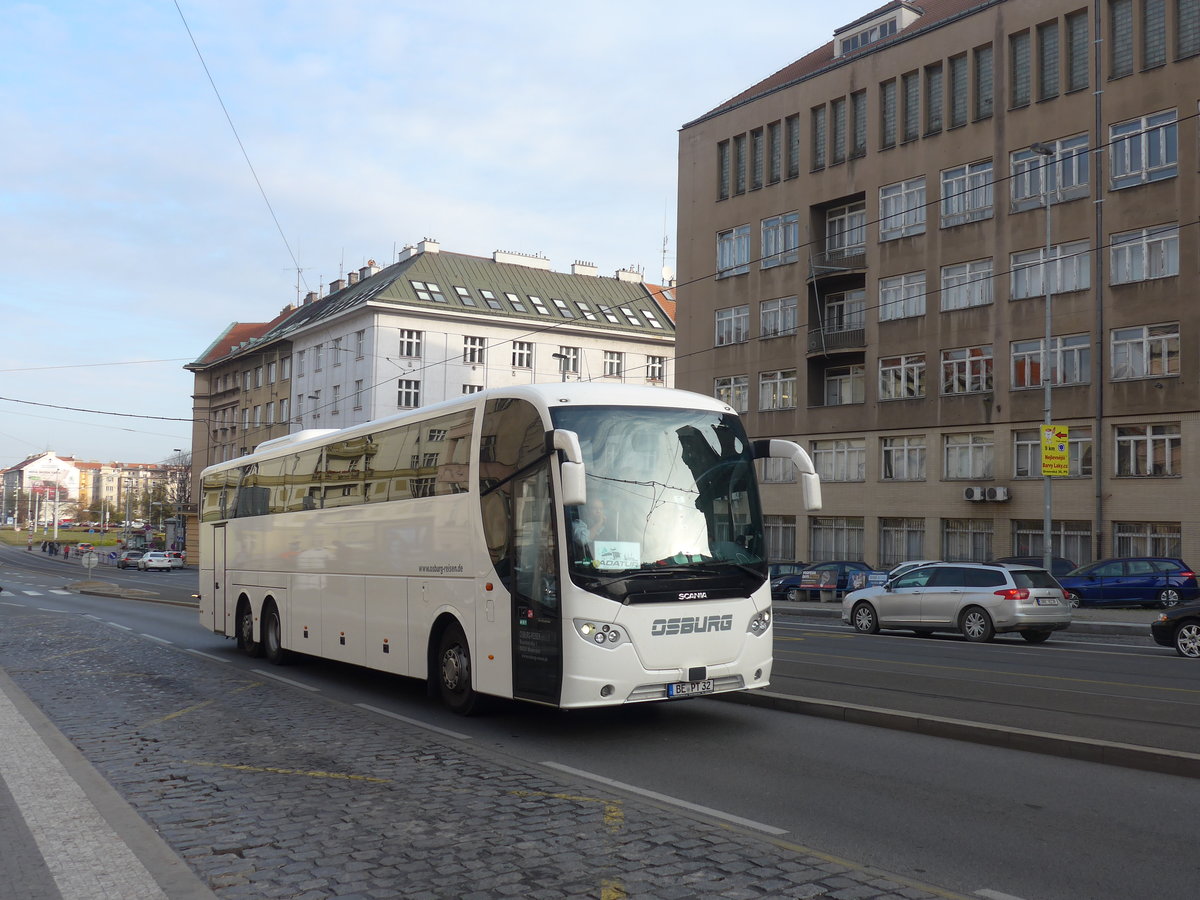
671	496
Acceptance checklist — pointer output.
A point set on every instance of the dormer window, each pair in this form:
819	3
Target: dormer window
867	36
881	24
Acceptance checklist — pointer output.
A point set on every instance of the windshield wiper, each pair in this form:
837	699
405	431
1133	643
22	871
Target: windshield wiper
652	571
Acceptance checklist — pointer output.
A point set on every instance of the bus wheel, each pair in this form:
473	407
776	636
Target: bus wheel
454	671
245	632
272	637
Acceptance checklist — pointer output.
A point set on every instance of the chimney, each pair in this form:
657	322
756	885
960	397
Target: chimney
630	275
579	267
428	245
369	269
310	297
352	277
335	286
521	259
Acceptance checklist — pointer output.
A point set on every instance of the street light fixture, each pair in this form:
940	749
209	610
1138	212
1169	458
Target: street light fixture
1047	152
562	364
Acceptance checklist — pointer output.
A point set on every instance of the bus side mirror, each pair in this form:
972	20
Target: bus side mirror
810	482
574	478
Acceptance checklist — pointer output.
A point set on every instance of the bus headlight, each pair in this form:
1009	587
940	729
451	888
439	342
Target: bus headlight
760	622
600	634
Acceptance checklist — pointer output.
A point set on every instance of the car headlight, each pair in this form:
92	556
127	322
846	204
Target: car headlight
600	634
760	622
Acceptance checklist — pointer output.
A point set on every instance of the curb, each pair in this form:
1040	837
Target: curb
1130	756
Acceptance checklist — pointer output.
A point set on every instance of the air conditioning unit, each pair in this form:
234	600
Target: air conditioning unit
998	494
974	494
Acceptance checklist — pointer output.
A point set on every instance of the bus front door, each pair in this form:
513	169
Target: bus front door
537	617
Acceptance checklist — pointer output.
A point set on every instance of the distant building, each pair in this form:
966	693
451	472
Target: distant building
865	259
433	326
43	476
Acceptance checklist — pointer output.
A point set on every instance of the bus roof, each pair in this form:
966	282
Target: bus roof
544	395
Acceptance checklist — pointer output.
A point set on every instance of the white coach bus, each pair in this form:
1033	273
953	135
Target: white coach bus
567	544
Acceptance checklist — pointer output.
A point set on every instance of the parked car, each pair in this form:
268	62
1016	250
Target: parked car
1058	565
155	559
1133	581
881	582
838	576
978	600
177	558
1179	627
129	558
778	570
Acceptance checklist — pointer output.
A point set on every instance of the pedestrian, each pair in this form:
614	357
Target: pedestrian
67	552
44	546
29	546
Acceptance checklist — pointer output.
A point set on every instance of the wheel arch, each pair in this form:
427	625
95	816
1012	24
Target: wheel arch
444	621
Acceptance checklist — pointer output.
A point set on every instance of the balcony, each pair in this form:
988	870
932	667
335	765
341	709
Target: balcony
837	338
837	262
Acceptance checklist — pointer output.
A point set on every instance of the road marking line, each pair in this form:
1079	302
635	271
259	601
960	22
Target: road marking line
155	638
674	801
48	609
417	722
299	684
205	655
117	625
272	770
31	593
57	591
996	895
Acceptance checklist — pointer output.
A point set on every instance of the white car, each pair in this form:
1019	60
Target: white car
155	559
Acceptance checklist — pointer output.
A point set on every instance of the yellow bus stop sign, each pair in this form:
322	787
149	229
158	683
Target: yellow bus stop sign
1054	450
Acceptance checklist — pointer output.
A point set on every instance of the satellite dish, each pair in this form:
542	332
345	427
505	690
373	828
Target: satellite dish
668	274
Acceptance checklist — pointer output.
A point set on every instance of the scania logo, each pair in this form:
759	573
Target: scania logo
691	625
694	595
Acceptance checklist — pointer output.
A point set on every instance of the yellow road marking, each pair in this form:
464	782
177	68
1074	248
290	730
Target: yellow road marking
614	818
307	773
1001	673
189	709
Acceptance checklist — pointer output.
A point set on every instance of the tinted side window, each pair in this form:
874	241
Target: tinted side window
918	577
1038	579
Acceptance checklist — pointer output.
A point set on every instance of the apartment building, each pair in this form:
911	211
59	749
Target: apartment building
870	238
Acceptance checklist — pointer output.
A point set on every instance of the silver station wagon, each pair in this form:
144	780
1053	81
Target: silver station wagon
977	600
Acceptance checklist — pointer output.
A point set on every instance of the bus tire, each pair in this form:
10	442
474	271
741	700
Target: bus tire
454	671
245	631
272	637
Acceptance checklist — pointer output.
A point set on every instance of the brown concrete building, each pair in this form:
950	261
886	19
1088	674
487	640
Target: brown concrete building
864	243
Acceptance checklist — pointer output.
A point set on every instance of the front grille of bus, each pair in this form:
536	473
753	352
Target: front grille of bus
659	691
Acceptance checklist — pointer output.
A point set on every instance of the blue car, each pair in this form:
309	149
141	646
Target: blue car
1149	581
839	576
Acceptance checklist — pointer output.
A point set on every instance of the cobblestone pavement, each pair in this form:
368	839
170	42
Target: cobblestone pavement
268	792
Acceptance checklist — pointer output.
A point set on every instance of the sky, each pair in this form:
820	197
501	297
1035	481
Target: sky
133	230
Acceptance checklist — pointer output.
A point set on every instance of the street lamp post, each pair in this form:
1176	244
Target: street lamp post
1047	153
562	364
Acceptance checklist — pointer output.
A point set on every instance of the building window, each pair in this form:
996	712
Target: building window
258	376
1027	452
474	350
1149	451
902	377
569	360
656	368
270	413
1145	351
840	460
967	284
335	401
903	458
858	116
911	88
490	299
257	416
428	291
284	411
967	370
1187	28
792	128
733	251
522	354
538	306
846	311
1070	361
1069	270
777	390
358	393
733	390
471	389
967	540
1019	81
838	125
410	343
845	385
1077	51
867	36
818	137
271	372
360	342
934	98
887	114
285	368
902	296
756	159
739	164
318	355
780	535
774	152
1145	254
1147	539
1064	175
614	364
299	363
1143	150
846	229
1070	540
967	193
1120	38
733	325
958	91
464	296
836	537
900	540
1047	36
780	240
515	302
983	82
969	455
902	209
408	393
336	350
777	317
